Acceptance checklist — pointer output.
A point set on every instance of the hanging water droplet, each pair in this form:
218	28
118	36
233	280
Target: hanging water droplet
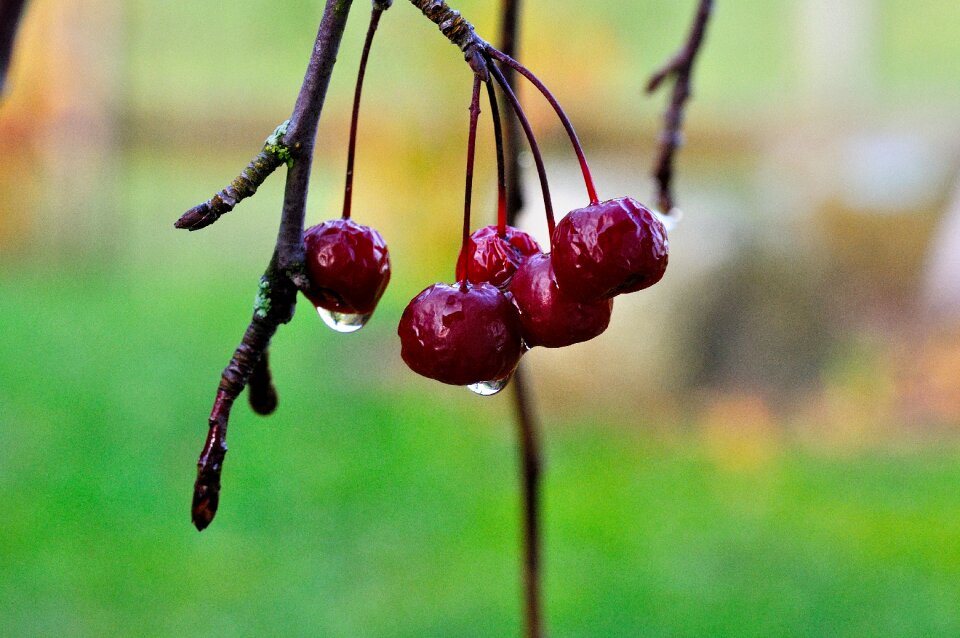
343	321
669	221
489	388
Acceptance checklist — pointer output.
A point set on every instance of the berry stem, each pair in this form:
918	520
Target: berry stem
468	193
501	170
352	146
532	140
567	124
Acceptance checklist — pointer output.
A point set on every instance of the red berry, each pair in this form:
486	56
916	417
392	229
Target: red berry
460	336
494	259
348	264
548	316
609	248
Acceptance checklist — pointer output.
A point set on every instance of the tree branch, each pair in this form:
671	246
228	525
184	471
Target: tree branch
458	30
679	67
276	297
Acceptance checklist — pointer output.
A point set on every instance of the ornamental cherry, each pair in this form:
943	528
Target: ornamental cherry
548	316
494	258
608	248
349	267
461	334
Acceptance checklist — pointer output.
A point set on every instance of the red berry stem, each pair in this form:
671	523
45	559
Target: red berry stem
501	170
567	124
468	193
532	140
352	146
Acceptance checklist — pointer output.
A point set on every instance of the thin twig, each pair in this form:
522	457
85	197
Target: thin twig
680	67
273	154
260	391
530	470
276	298
526	421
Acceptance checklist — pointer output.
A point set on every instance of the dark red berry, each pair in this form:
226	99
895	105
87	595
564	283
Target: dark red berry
609	248
548	316
460	336
348	264
494	259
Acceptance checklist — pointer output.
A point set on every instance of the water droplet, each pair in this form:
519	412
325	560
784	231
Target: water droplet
489	388
669	221
343	321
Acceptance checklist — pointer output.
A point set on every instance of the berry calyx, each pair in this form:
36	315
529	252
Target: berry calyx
348	265
493	258
548	316
602	250
460	335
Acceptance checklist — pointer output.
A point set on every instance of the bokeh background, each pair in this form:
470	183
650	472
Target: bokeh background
766	443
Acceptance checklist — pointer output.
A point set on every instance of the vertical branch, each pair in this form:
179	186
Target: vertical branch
531	463
302	131
509	34
680	67
527	425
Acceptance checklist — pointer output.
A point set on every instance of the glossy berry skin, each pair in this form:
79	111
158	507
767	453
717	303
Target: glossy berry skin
606	249
548	316
494	259
460	336
348	264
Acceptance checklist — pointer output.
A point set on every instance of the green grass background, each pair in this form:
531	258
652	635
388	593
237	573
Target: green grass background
364	510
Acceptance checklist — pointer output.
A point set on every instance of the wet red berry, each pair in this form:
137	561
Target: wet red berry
548	316
460	336
494	259
348	264
609	248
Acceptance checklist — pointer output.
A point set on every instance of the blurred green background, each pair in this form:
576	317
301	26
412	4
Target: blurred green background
766	443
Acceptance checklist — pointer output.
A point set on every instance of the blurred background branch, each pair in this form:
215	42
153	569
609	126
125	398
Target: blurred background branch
10	12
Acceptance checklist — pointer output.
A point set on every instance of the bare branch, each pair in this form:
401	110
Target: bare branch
277	293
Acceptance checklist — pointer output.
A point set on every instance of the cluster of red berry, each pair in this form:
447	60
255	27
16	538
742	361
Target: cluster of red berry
509	295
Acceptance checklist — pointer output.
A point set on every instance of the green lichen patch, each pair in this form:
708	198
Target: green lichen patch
276	146
262	303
